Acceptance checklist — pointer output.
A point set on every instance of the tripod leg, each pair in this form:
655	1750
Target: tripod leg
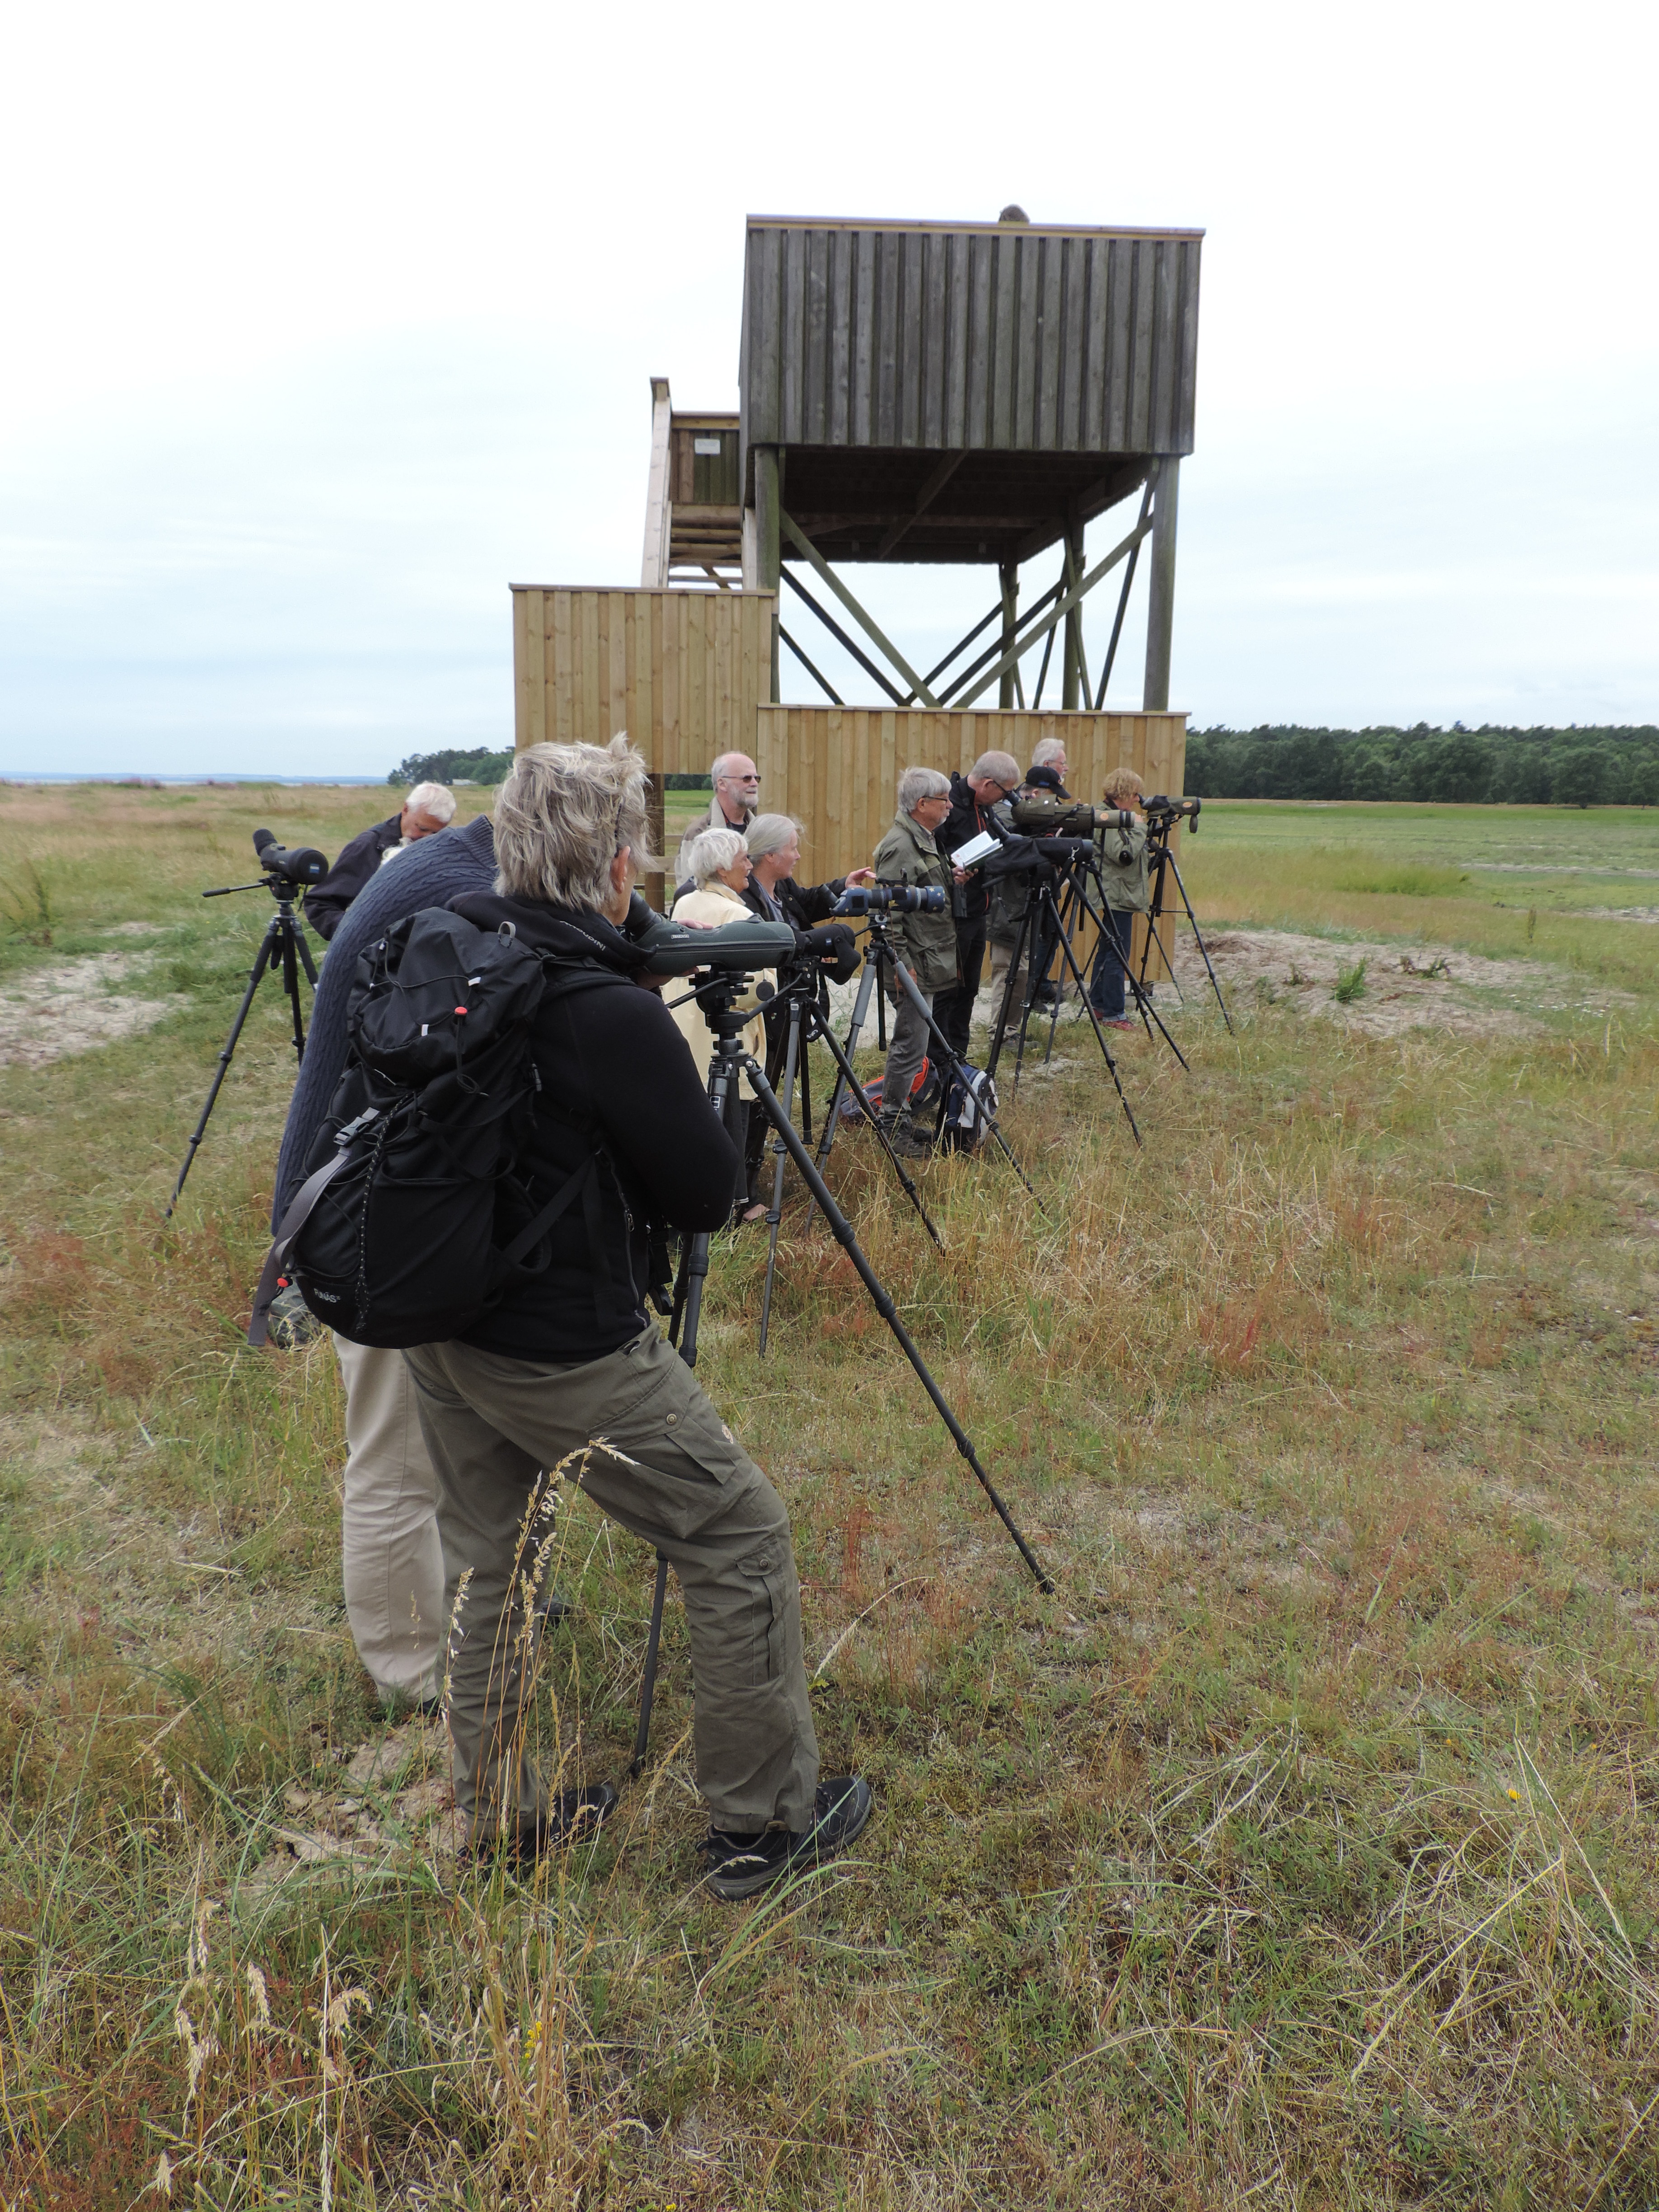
1100	1034
774	1215
1001	1030
1144	1006
305	953
1204	949
266	957
649	1679
856	1090
843	1235
861	1011
949	1060
291	986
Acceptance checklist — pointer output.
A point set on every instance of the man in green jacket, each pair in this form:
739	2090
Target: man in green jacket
925	943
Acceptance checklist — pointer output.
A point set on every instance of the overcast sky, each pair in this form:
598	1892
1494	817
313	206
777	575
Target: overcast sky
322	324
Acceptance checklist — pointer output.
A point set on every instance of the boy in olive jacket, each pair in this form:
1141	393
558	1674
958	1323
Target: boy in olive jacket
925	943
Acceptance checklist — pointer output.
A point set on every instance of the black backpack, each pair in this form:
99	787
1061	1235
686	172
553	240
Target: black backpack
393	1236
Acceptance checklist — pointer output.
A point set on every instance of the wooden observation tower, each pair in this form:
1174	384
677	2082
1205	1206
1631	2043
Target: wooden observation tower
972	394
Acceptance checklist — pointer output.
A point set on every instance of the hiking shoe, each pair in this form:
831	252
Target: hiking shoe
290	1321
743	1866
573	1816
906	1140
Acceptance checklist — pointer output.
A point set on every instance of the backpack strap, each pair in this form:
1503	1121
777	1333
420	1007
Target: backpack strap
295	1220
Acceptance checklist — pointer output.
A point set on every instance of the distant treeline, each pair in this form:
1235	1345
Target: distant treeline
480	765
1577	767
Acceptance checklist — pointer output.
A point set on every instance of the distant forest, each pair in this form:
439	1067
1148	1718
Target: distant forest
1577	767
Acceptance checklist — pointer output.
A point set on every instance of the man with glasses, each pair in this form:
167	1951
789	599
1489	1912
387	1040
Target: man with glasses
737	794
973	797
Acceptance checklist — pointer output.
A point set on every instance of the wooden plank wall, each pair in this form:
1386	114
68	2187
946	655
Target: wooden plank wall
681	671
836	768
1006	338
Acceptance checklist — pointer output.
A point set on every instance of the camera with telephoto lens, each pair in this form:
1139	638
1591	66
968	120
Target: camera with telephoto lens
1043	814
737	948
892	898
1162	814
297	866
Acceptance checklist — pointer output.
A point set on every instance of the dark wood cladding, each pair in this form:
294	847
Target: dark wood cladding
997	338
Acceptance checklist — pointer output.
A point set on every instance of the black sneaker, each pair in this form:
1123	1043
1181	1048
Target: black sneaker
906	1140
573	1816
742	1866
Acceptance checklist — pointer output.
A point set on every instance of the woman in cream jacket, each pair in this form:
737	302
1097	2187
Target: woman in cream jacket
719	866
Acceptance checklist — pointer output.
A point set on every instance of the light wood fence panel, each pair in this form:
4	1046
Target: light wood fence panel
681	671
836	768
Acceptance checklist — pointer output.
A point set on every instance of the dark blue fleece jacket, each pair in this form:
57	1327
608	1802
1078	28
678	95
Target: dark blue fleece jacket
431	873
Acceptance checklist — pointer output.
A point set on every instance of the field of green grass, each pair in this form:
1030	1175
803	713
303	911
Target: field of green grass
1302	1852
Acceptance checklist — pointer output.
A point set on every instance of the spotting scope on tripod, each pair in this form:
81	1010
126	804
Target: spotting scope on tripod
287	873
718	996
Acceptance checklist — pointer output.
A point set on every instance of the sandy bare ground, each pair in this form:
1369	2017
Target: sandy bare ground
1416	987
74	1005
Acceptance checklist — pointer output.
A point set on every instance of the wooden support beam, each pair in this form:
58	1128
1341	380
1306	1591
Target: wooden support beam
768	546
1008	575
961	646
957	684
930	491
837	631
804	545
654	565
817	675
1074	690
1119	551
1160	598
1122	603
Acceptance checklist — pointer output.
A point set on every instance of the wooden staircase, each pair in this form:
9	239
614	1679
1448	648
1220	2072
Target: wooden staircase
693	504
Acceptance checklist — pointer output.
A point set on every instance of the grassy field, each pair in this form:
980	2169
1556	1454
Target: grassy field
1302	1852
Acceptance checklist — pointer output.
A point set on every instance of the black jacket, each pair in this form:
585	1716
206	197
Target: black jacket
359	864
806	905
967	820
610	1062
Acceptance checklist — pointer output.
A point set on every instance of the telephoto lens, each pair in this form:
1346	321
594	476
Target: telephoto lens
300	863
892	898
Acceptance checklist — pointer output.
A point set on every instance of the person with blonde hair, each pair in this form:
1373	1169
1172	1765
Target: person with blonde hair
1128	892
567	1374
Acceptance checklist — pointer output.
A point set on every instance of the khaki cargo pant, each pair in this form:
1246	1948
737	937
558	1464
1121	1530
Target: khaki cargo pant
390	1553
674	1476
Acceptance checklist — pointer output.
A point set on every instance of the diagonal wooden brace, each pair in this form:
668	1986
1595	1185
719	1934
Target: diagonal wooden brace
804	545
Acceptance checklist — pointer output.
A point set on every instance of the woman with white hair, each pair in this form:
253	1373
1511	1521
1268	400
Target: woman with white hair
568	1373
925	943
718	863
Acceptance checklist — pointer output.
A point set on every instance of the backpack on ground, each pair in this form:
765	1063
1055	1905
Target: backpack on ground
393	1236
970	1106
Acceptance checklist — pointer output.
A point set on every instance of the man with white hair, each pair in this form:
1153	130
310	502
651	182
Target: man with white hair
428	809
925	943
737	794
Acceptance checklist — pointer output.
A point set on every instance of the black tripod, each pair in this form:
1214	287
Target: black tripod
283	946
1164	866
1044	924
882	966
808	1020
1074	906
718	998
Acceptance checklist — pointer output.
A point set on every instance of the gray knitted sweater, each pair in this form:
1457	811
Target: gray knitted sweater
430	873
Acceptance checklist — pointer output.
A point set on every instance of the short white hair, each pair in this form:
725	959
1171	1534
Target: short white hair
562	816
710	851
436	800
1047	750
919	783
770	833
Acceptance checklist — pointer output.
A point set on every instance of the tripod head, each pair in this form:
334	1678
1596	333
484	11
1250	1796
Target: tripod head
290	871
